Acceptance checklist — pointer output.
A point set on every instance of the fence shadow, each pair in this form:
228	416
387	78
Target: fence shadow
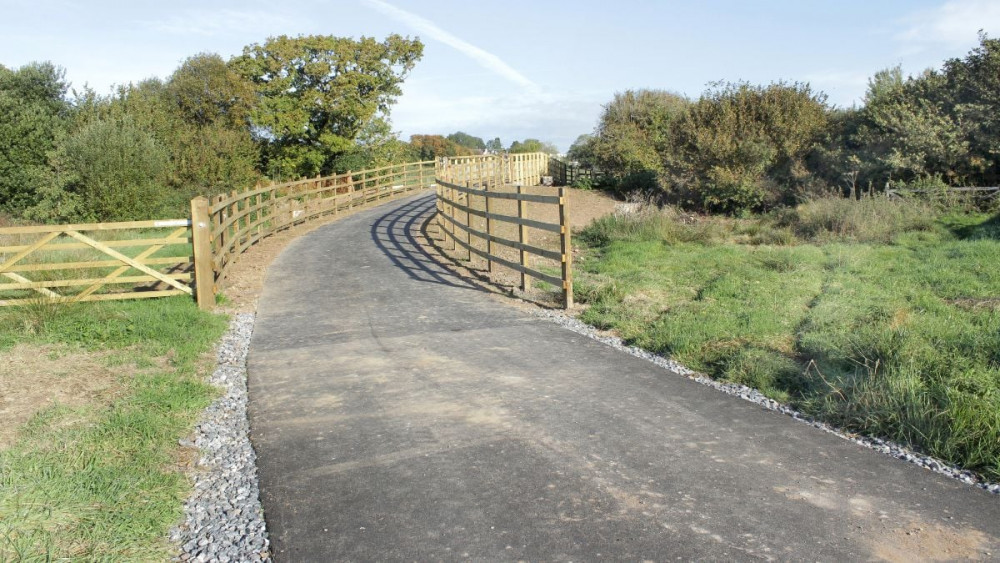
401	234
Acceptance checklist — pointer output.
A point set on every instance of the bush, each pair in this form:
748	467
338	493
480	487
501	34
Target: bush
117	169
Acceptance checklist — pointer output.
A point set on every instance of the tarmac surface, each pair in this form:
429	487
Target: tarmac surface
401	413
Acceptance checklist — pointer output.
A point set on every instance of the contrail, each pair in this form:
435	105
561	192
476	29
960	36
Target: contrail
488	60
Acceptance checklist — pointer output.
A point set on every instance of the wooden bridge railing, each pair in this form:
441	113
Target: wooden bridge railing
476	187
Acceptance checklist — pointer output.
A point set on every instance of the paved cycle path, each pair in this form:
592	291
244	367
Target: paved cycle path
400	413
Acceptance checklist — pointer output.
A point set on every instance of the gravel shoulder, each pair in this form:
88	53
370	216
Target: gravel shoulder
223	516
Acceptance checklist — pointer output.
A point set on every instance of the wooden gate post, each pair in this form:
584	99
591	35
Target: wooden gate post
201	237
567	250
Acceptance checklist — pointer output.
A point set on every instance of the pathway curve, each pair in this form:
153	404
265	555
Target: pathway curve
399	412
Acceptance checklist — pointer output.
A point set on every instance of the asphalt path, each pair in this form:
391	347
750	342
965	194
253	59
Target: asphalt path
400	412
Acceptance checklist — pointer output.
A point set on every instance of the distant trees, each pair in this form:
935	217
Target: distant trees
634	131
33	115
429	147
494	145
286	108
467	141
742	147
532	145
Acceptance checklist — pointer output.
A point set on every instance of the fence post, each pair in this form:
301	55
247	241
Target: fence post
522	237
483	174
201	240
567	250
468	214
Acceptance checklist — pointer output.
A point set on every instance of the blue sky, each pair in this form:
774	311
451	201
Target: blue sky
519	68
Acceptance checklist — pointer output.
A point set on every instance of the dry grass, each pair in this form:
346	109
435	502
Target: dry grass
35	377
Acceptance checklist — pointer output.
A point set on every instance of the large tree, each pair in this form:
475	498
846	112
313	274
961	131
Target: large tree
317	93
634	132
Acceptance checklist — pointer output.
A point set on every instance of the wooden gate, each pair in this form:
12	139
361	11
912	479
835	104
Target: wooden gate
96	261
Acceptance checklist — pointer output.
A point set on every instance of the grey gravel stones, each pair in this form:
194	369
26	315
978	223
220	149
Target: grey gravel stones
224	520
884	446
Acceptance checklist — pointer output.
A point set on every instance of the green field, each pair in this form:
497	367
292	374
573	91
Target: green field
881	317
102	480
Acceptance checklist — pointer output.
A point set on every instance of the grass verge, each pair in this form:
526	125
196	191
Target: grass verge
103	480
882	317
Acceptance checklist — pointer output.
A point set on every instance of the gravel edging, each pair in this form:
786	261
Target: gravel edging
224	520
749	394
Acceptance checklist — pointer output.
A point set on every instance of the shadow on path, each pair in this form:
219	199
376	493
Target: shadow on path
398	235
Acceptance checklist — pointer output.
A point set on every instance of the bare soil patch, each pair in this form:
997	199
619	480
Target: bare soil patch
36	377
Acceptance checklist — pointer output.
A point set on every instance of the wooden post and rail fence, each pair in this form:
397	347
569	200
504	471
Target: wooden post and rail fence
192	256
470	187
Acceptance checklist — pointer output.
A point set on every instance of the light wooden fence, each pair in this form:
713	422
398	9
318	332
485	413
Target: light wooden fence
98	261
139	259
474	187
232	223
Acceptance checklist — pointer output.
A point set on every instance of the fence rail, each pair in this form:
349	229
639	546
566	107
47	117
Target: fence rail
95	261
460	184
568	174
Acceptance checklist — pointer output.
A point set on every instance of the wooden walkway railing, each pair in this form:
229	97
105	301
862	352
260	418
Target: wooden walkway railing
96	261
487	180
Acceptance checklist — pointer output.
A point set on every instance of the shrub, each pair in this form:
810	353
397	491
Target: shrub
871	219
118	170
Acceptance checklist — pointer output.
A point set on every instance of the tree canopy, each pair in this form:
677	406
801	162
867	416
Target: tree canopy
467	141
317	93
33	115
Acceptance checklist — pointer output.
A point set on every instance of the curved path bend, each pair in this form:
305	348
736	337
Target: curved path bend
399	413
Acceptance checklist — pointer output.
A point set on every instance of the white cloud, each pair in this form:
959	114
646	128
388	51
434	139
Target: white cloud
210	23
954	23
486	59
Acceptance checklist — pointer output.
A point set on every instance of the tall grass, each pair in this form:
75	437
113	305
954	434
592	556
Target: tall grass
881	316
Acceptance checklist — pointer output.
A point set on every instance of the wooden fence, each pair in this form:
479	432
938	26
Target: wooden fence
97	261
474	186
227	225
139	259
567	174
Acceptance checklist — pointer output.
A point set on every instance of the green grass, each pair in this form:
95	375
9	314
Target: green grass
881	317
100	482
